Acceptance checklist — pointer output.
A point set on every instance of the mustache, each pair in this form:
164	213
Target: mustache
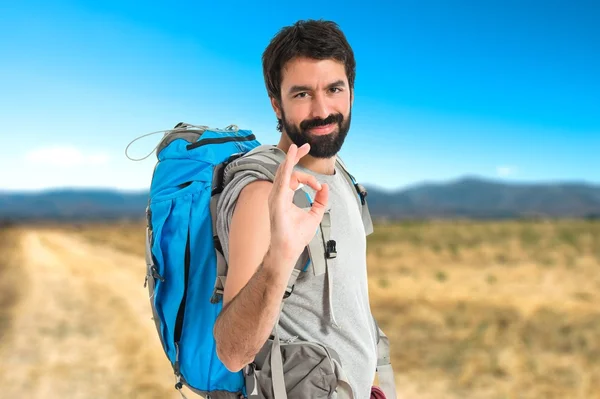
311	123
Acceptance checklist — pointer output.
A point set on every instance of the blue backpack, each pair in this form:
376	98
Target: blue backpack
185	265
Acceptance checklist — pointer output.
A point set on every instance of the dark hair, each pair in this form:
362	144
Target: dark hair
316	39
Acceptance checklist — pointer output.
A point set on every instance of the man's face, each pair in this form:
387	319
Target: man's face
315	105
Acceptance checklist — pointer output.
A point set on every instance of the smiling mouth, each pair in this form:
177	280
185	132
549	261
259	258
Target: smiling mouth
323	129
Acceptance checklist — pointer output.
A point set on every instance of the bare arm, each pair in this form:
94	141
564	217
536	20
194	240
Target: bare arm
246	322
267	235
255	283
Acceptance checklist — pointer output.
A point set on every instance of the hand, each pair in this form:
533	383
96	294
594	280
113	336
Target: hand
292	228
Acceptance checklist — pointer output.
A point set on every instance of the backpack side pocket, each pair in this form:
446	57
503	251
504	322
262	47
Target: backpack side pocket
309	371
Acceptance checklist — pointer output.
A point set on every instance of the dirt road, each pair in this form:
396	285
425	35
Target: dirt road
82	327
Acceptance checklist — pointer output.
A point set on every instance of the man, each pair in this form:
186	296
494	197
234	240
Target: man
309	71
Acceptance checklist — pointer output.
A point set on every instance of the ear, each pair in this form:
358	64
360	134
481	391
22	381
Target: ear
276	107
352	98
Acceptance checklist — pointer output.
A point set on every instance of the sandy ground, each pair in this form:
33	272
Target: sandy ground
82	328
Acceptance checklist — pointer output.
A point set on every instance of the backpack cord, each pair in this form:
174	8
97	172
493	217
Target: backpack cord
167	132
179	127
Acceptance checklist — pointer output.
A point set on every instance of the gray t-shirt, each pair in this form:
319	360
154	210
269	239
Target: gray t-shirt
305	315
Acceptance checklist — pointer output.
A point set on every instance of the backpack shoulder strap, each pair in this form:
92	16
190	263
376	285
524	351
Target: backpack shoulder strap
362	196
264	159
385	371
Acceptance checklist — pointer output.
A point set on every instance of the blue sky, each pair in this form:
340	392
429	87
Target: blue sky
506	90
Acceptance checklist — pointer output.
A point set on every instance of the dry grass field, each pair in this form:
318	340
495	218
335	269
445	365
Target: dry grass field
491	310
473	310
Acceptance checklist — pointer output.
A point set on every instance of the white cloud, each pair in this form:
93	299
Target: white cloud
98	159
504	171
65	156
69	167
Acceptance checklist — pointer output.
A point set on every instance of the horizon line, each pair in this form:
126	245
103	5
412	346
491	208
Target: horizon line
424	182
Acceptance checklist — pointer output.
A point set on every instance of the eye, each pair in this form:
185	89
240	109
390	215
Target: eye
301	95
336	89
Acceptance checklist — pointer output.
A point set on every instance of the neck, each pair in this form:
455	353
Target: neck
324	166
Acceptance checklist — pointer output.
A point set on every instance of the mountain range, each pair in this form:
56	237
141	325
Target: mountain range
468	197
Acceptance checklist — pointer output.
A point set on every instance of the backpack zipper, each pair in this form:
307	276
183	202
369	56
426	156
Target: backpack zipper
181	311
220	140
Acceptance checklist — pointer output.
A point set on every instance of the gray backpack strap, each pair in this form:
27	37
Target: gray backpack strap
219	287
278	379
151	274
385	371
362	196
264	159
344	389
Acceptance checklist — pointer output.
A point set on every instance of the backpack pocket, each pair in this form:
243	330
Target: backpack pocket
310	371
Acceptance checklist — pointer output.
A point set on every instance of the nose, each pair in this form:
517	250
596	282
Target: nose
319	105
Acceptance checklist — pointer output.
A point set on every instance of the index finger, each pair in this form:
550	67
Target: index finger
292	157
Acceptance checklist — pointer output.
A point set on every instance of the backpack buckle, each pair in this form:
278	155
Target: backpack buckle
234	156
362	192
156	274
219	173
330	249
288	292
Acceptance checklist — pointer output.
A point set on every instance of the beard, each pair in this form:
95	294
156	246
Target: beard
321	146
